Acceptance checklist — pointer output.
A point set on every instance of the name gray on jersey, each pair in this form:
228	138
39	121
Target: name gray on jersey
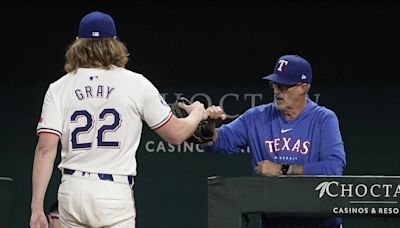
101	91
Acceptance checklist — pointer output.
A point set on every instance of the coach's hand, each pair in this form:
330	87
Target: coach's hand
268	168
215	115
38	220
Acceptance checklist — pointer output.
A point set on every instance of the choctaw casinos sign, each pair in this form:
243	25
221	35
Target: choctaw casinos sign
368	199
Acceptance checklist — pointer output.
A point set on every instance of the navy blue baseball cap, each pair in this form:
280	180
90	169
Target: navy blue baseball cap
291	70
97	25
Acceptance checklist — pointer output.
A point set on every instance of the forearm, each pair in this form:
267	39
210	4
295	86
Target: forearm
223	142
324	168
184	128
313	168
216	145
296	169
214	137
41	174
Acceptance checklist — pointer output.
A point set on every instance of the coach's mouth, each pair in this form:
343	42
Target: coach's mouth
278	98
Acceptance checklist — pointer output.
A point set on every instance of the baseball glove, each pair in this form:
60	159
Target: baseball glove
203	133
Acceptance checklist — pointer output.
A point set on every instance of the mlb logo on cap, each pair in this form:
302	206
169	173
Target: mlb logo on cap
95	34
97	25
291	70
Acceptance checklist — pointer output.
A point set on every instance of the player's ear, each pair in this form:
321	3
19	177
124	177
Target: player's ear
303	89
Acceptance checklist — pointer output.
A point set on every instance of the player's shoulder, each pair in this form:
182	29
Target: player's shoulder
127	72
132	76
261	108
322	111
60	81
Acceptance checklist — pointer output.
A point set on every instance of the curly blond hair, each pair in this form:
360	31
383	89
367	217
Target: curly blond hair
95	53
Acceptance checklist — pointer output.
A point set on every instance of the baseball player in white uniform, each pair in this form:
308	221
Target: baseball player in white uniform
96	111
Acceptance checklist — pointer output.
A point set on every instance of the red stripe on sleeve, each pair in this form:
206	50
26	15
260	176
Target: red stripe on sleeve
164	122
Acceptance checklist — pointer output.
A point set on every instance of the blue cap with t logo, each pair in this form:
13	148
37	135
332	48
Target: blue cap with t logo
291	70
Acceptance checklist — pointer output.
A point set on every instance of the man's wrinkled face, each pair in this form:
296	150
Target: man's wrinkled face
285	96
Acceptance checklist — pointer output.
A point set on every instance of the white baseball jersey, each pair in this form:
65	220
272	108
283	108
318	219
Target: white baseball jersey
98	115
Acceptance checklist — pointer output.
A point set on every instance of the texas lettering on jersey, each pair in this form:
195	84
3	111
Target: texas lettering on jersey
288	144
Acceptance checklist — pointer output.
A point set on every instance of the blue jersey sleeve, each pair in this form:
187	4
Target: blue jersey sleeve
332	158
231	137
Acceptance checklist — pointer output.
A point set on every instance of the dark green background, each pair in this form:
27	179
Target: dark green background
214	47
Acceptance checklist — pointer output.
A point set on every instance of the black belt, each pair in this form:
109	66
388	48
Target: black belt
102	176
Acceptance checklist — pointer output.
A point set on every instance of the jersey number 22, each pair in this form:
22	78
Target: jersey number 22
89	125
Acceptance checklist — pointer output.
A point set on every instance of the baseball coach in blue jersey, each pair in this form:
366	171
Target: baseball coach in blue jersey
290	136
